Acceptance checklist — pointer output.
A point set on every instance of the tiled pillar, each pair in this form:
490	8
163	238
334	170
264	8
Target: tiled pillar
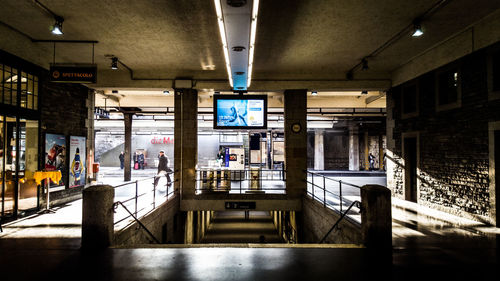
353	148
295	142
185	141
319	150
127	173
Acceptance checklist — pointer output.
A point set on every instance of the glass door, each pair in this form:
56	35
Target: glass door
28	164
9	167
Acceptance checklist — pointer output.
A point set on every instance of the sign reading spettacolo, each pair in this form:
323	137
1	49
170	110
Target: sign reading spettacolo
73	73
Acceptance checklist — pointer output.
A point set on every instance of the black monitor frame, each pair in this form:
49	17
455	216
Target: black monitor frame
239	97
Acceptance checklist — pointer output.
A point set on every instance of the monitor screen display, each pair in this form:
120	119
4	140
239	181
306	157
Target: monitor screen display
240	112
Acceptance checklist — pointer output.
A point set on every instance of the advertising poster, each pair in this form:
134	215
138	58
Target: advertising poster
77	165
240	113
55	155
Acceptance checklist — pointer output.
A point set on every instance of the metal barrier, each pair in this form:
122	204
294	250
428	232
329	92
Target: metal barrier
144	200
250	180
320	187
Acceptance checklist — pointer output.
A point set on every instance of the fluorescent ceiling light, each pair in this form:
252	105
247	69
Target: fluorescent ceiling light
253	33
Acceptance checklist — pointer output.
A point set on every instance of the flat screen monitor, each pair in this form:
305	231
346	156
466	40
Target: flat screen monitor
240	112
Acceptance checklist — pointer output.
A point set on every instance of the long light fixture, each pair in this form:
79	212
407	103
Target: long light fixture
222	31
237	22
253	32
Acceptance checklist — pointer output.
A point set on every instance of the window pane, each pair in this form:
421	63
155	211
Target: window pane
448	87
410	99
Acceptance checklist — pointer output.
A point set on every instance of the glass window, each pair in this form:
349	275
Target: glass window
496	71
409	99
28	163
28	88
35	93
448	87
24	90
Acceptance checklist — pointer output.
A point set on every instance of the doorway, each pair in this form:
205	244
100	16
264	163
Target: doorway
410	160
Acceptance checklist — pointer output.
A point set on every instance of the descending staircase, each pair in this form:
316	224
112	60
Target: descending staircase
232	227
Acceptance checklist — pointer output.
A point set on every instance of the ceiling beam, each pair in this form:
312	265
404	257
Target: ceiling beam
374	98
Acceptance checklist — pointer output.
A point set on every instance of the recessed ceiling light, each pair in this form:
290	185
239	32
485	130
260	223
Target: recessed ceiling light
364	92
166	92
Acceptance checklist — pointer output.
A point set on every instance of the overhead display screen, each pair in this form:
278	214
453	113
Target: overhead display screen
240	112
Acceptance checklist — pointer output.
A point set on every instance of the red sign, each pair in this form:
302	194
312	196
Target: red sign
164	140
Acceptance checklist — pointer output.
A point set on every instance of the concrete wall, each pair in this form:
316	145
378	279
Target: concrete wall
452	150
165	223
317	220
336	151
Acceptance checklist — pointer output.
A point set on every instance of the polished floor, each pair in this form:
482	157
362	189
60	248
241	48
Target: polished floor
427	245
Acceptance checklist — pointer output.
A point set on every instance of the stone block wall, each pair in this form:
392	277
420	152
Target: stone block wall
452	152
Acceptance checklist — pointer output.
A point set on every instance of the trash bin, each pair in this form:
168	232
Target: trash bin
95	170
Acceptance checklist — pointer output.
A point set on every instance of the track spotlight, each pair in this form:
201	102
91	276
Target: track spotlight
166	92
314	93
364	64
114	63
417	30
57	27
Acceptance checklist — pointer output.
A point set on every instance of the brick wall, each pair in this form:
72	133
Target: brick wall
453	144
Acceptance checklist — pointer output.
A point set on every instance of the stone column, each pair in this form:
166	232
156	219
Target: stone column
97	217
319	150
186	141
188	234
353	148
376	219
127	118
295	142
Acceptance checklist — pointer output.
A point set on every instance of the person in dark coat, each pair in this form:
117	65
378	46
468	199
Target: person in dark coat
140	160
122	160
163	169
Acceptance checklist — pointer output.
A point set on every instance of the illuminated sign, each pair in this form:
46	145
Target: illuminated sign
73	73
160	140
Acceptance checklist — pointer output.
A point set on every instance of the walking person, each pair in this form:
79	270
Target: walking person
122	160
371	158
163	169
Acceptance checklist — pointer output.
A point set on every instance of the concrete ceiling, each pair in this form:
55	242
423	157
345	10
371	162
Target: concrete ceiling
304	41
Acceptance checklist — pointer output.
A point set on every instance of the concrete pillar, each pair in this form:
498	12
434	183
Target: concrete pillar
376	219
97	217
319	150
353	148
127	172
367	151
186	141
295	142
188	234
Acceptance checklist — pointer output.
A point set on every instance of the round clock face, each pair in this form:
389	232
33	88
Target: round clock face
296	127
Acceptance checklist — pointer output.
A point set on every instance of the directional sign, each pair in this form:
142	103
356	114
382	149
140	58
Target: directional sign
240	205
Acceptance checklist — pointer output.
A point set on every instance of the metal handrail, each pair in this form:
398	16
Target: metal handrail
358	205
115	205
325	191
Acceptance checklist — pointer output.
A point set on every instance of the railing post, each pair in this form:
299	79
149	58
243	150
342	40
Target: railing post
340	194
136	194
154	196
312	184
324	192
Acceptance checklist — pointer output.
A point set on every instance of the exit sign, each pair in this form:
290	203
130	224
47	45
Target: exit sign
240	205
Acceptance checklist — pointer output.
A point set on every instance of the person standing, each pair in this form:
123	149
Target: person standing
122	160
140	159
163	169
136	160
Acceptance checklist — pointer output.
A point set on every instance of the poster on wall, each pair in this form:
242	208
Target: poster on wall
55	155
77	165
